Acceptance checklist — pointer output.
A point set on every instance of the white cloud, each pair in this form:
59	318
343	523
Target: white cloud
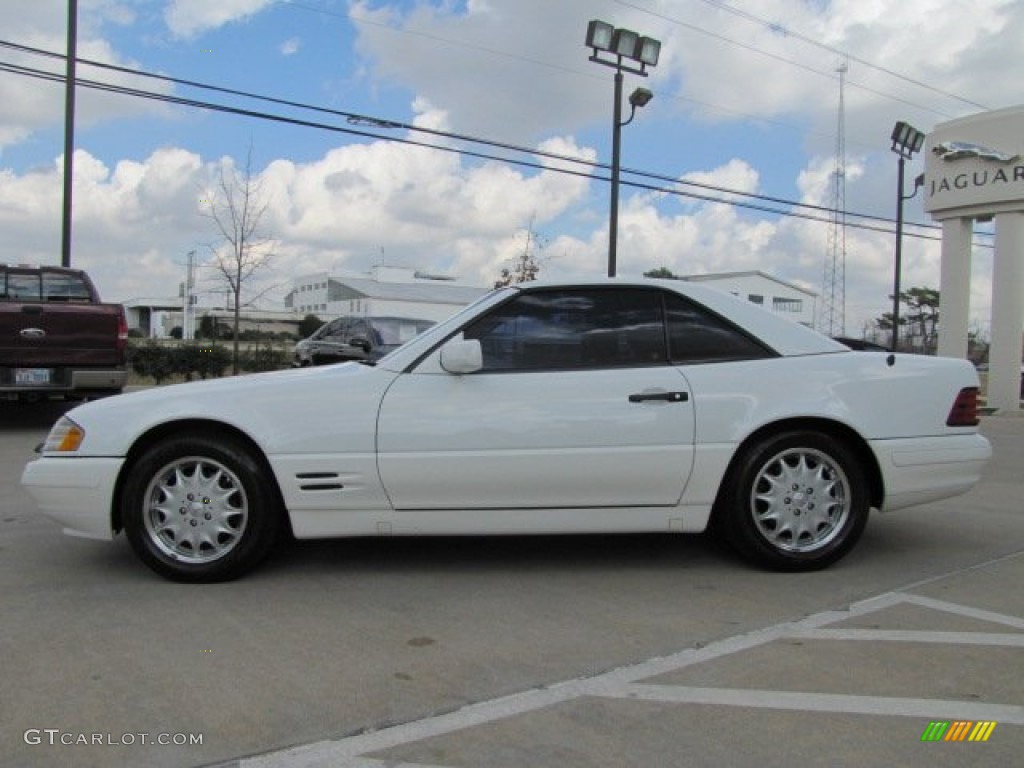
517	70
530	75
135	221
30	104
190	18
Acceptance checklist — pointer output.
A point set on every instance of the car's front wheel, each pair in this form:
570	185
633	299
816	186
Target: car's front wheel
796	501
200	509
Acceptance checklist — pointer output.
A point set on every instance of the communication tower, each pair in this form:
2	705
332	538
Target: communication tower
832	319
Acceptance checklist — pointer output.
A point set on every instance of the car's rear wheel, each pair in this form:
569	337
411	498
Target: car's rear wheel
796	501
200	509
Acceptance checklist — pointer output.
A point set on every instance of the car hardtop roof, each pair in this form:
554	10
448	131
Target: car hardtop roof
43	268
783	334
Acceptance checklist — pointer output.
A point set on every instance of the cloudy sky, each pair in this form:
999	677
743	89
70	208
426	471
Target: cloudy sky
745	110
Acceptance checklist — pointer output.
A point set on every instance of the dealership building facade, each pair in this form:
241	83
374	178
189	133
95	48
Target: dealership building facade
974	170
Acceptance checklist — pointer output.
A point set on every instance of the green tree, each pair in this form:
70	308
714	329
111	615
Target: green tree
662	272
309	325
919	319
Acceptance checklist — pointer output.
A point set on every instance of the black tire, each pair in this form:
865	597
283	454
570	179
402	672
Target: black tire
200	509
796	501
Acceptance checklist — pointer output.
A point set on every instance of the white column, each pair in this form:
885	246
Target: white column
955	287
1007	312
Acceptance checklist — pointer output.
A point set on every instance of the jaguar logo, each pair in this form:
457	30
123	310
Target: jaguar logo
957	150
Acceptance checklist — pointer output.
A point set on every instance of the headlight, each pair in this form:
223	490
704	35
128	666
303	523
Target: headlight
65	437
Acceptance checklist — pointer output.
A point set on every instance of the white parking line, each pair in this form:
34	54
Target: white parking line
623	683
928	709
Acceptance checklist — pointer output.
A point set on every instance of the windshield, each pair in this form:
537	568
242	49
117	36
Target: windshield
396	330
446	327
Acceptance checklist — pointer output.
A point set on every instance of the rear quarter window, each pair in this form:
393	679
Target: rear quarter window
697	335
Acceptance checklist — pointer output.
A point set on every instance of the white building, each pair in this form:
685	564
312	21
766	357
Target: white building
383	292
757	287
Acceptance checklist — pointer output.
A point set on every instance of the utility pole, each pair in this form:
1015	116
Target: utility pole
69	131
188	320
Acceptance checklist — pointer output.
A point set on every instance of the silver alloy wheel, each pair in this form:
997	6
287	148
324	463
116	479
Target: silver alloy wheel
801	500
196	510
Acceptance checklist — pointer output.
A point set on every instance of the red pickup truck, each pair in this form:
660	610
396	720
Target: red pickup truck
57	337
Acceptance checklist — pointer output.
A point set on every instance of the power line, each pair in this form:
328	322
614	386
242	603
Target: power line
774	27
780	29
813	213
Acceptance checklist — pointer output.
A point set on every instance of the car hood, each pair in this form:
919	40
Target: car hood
296	410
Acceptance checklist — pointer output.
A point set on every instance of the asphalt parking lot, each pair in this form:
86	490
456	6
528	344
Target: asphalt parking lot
576	651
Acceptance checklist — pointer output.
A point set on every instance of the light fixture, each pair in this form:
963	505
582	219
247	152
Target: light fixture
640	97
599	35
619	47
648	50
622	44
906	140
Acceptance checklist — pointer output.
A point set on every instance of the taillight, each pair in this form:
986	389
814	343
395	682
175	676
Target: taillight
122	331
964	412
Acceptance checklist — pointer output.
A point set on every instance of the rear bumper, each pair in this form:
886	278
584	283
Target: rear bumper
925	469
76	492
62	380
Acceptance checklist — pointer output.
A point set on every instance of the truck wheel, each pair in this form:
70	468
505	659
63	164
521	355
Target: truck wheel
200	509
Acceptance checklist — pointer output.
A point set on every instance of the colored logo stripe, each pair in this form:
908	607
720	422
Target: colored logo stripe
958	730
982	731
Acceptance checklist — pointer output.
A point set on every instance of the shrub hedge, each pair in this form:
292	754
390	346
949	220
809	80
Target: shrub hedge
162	361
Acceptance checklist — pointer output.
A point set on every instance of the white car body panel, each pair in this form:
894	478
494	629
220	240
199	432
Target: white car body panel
920	470
77	493
550	439
405	447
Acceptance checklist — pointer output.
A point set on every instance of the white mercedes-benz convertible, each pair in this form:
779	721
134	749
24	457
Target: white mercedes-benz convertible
594	406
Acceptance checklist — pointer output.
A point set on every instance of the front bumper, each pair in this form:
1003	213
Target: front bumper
75	491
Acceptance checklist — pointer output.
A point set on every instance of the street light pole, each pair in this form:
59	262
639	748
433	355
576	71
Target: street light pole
620	44
898	260
69	132
906	140
613	219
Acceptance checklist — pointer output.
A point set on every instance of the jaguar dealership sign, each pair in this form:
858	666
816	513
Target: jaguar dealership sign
974	171
974	166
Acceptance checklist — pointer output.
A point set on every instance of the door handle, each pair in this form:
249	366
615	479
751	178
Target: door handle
669	397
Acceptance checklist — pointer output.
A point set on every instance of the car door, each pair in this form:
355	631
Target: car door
576	406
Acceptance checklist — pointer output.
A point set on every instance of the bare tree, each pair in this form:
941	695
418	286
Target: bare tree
236	208
525	267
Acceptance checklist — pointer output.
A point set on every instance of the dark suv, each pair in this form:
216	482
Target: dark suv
356	338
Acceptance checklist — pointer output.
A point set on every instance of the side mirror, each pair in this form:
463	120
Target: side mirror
360	343
461	356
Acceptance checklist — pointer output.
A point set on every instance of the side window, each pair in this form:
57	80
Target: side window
696	335
23	286
360	329
573	329
334	331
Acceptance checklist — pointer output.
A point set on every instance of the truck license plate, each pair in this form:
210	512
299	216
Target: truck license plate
30	377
